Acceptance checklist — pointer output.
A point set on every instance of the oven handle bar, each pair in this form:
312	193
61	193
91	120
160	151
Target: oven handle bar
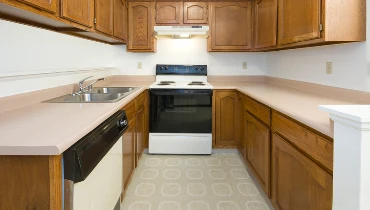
165	92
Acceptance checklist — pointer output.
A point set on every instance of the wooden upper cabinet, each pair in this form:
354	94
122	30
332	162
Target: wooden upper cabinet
141	27
298	21
104	16
231	26
226	118
169	13
46	5
120	19
78	11
195	12
297	182
258	150
265	23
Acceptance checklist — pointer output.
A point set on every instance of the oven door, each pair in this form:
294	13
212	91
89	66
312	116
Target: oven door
180	121
180	111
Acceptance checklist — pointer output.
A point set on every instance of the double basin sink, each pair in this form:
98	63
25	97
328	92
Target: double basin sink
96	95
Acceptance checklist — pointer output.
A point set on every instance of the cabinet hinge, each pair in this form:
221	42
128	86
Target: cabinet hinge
94	20
321	27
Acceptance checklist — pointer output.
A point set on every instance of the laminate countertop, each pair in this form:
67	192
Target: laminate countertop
51	128
297	104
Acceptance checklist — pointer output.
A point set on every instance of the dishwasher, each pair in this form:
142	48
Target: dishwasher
92	167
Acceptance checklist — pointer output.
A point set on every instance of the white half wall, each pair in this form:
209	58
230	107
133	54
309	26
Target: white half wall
351	64
190	51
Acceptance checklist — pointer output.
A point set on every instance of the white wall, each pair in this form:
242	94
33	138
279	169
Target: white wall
190	51
350	64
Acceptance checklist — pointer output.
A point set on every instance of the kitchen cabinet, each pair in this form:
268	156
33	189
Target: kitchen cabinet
297	182
141	27
195	12
257	138
120	19
169	13
265	23
104	16
46	5
78	11
226	118
241	125
230	26
128	151
140	129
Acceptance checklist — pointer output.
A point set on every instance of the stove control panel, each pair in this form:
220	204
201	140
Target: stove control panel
164	69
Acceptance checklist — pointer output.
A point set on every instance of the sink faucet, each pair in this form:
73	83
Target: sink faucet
82	89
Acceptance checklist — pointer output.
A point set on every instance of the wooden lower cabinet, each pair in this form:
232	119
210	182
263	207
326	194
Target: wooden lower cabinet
140	131
128	153
226	104
257	137
297	182
241	129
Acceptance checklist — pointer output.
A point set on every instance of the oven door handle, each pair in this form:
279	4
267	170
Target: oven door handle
206	92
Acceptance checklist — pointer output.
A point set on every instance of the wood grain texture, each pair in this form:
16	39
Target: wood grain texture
130	110
120	19
226	118
297	182
258	150
31	182
128	151
316	147
140	101
265	24
195	12
104	16
146	131
241	125
230	26
140	132
259	110
141	27
298	21
46	5
169	13
78	11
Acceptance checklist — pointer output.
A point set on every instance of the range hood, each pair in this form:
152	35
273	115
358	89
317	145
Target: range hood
181	32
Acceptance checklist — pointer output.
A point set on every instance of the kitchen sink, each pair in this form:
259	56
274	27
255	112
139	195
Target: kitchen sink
96	95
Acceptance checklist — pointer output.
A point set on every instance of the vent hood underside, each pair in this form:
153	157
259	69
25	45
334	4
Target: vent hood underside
181	32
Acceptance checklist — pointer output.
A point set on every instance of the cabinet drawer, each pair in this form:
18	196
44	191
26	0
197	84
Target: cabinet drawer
130	110
318	148
140	101
257	109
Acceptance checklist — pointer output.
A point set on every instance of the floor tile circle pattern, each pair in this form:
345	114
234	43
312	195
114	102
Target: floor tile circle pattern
198	182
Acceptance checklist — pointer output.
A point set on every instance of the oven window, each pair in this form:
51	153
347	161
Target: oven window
181	113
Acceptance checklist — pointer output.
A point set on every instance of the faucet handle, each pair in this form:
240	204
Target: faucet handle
81	82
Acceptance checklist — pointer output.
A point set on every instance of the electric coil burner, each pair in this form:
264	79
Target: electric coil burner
180	111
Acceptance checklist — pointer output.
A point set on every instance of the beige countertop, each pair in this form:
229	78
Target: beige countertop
51	128
299	105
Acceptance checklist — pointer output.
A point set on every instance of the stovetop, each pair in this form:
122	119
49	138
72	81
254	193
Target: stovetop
181	77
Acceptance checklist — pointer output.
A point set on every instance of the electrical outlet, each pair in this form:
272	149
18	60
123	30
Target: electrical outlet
329	67
140	65
245	65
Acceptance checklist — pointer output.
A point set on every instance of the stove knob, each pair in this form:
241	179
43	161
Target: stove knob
197	68
202	68
161	68
166	68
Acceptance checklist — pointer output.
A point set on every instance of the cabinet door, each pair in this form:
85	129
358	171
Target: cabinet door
46	5
128	150
195	12
120	19
258	150
226	118
231	26
241	127
298	21
297	182
140	26
140	129
77	11
104	16
265	22
169	13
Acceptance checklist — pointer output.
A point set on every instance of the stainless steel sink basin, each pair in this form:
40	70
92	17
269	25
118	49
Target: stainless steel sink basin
114	90
96	95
